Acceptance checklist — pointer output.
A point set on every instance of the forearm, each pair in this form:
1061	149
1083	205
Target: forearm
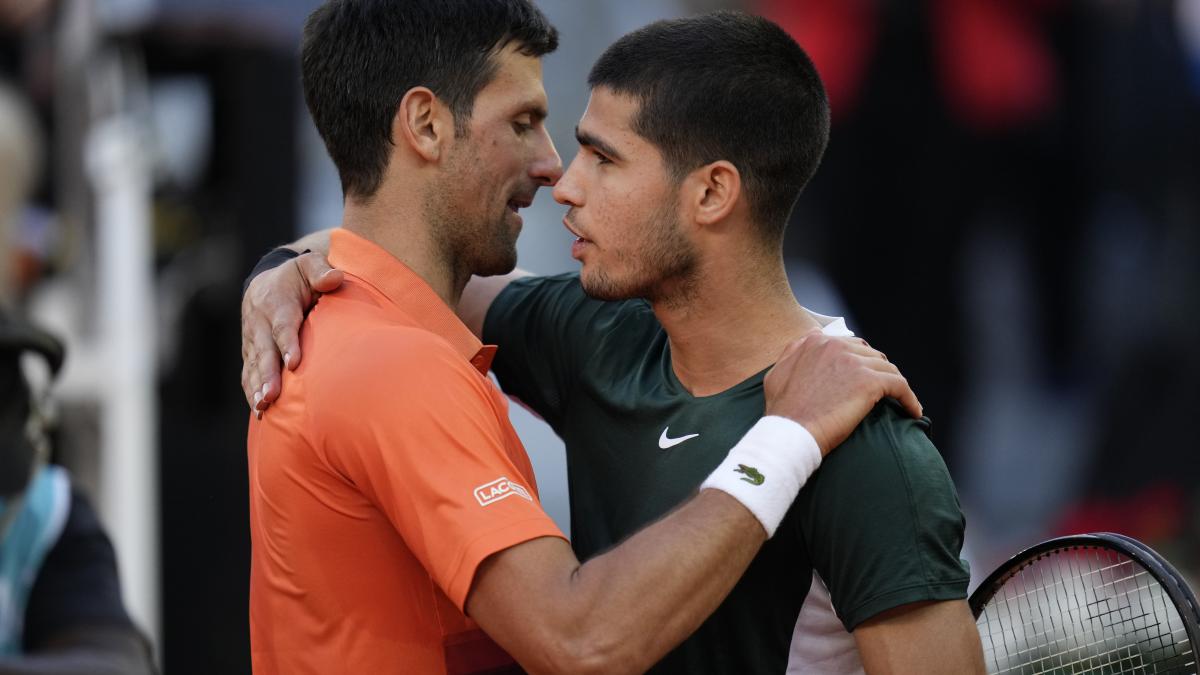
621	611
644	597
624	610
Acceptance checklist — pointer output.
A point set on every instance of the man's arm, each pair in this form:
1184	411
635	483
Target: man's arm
891	560
625	609
478	296
621	611
921	637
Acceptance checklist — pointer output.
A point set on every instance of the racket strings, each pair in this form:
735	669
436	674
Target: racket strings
1101	611
1084	610
1116	656
1030	628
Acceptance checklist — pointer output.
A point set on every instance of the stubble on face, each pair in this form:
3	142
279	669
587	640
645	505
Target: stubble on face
470	217
659	264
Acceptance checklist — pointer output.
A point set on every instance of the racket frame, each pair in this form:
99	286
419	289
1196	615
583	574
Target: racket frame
1158	567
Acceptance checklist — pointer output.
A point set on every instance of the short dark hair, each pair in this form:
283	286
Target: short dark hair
359	58
726	85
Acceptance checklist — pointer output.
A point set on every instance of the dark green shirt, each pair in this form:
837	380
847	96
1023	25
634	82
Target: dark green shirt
879	523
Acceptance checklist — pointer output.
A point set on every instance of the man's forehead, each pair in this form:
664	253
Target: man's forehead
612	106
520	77
511	63
609	115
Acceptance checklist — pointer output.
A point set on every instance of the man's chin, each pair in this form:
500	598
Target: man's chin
497	262
599	286
496	270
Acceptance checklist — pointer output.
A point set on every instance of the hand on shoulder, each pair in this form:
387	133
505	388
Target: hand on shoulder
828	384
273	307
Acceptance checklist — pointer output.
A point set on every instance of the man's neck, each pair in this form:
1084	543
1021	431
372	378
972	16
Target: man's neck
399	229
732	324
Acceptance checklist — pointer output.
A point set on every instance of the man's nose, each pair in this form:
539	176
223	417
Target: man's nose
547	168
566	190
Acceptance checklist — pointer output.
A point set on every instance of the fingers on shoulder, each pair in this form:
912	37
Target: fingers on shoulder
312	265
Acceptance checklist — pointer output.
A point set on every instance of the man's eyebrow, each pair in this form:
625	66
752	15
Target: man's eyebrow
537	111
591	141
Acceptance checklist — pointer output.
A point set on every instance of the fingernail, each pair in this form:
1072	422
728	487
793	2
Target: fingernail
287	359
257	397
266	388
258	414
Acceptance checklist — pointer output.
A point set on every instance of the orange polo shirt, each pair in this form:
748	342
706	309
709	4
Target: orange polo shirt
383	476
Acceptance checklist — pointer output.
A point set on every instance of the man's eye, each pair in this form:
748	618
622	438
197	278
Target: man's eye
601	159
522	127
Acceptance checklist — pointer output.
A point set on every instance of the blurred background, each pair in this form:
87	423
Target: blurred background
1009	208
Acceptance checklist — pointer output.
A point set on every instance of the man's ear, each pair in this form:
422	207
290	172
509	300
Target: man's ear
713	191
423	123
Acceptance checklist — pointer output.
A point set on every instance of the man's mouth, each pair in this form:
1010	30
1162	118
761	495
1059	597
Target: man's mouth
581	243
570	228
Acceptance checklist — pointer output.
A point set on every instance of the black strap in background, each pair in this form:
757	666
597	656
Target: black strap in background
270	261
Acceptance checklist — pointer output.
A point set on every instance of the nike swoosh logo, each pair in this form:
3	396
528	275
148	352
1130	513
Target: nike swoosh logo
664	442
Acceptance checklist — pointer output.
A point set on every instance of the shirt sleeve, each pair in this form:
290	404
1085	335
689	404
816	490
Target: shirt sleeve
77	584
426	438
882	520
544	328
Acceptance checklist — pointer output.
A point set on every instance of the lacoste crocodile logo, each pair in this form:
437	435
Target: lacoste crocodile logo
752	476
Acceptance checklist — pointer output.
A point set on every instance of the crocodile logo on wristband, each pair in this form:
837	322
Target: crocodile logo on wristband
752	476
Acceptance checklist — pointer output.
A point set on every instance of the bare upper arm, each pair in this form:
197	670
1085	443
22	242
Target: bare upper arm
478	295
516	598
921	637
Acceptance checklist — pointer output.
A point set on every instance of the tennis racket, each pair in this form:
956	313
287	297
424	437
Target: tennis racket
1091	603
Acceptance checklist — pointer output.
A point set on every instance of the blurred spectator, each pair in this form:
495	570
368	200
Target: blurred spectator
60	602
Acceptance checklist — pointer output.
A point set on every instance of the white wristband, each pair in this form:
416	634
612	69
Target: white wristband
767	468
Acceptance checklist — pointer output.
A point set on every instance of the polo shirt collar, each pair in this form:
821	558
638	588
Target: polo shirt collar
381	270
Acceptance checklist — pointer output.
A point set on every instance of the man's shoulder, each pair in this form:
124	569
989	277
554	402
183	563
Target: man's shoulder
882	520
889	430
381	357
890	458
